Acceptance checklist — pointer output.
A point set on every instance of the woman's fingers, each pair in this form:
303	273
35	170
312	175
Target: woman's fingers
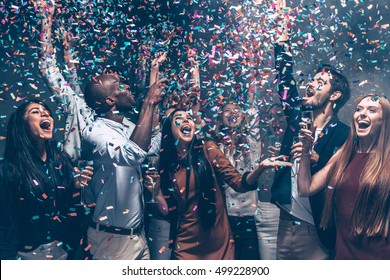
274	150
281	163
84	176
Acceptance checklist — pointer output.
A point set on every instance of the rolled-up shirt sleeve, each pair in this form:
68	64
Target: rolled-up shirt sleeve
56	81
109	143
70	98
130	153
155	144
69	93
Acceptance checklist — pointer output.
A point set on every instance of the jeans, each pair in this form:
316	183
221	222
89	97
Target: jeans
298	240
267	224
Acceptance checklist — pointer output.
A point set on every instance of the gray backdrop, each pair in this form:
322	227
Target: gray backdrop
351	35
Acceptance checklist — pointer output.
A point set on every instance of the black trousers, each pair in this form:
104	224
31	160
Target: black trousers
245	237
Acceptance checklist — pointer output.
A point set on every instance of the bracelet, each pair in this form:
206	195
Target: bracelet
308	154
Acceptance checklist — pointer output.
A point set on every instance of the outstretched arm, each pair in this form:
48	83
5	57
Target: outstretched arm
154	76
269	163
195	75
67	43
282	21
47	10
160	57
48	62
287	87
228	174
78	114
142	133
193	99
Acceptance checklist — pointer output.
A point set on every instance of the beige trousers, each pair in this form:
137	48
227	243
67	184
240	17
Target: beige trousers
110	246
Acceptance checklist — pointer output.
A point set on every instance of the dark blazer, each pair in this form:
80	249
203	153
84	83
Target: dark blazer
332	137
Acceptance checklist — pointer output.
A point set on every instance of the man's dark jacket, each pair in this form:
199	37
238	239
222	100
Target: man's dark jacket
332	137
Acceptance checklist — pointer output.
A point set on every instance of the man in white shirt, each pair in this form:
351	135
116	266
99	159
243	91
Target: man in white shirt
118	148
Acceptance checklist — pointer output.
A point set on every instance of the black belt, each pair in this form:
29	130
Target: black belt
284	215
116	230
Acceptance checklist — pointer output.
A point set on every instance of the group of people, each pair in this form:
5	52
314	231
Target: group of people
330	196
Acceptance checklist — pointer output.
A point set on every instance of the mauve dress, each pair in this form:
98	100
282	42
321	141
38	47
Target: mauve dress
192	241
347	246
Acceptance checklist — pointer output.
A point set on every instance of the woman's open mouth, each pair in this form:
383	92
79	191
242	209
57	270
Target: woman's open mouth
186	129
233	119
363	124
45	125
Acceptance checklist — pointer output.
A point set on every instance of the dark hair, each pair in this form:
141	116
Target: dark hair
196	160
126	77
95	96
20	152
339	83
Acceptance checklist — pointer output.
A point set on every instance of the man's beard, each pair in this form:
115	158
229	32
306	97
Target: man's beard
317	103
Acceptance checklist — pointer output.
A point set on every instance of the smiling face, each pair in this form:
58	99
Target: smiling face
318	91
368	120
183	128
232	116
39	121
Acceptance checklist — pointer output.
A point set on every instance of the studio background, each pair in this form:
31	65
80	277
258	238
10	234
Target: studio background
350	35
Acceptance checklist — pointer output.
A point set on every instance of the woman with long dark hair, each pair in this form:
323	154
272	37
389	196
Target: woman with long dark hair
37	183
358	183
192	172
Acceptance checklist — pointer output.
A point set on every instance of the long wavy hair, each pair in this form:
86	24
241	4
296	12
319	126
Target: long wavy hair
371	213
20	152
196	160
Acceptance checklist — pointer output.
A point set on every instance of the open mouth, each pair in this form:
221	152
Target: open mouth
232	119
363	125
186	129
310	92
45	124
